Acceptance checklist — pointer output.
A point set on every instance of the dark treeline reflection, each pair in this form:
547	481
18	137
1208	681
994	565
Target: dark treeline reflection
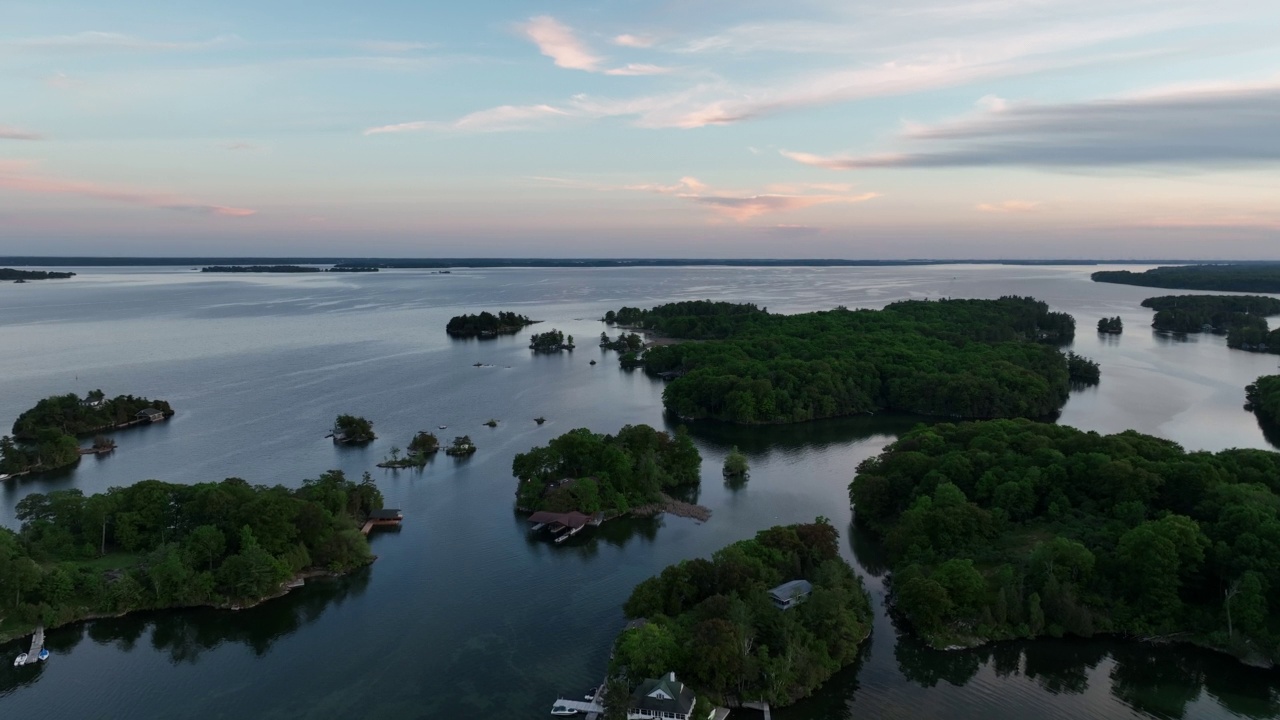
762	440
185	635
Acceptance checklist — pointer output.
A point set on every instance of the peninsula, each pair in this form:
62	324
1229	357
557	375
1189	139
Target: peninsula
1243	277
487	324
156	545
1263	399
771	618
953	358
1012	528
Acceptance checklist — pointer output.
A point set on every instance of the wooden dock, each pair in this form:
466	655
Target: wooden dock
37	647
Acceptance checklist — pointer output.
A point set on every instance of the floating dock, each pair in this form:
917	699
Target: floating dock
386	517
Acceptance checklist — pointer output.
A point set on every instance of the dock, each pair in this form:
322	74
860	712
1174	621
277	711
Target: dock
588	708
37	648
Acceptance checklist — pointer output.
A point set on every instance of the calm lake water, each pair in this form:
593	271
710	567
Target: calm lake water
462	616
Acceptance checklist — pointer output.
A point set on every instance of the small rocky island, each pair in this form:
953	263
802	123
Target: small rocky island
46	436
462	445
551	341
487	324
352	430
421	447
1111	326
10	274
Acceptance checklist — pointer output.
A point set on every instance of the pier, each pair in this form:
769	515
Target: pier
37	651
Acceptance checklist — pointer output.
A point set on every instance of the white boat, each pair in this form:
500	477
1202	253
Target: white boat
442	427
20	660
559	709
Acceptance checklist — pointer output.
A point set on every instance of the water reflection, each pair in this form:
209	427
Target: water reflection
184	636
758	441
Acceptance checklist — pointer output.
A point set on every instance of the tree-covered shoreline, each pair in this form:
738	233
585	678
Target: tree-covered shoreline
1247	277
1011	528
7	274
953	358
715	625
1262	398
156	545
591	472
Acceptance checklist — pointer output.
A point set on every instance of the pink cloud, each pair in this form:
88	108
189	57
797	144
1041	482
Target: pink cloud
1010	206
745	206
503	117
8	132
18	176
634	41
557	41
634	69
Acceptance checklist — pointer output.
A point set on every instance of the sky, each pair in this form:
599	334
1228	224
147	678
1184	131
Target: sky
699	128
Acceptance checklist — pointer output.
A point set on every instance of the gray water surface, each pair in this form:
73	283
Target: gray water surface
463	616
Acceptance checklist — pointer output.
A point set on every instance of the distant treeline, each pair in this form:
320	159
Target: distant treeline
11	274
1236	277
28	261
259	269
958	358
487	324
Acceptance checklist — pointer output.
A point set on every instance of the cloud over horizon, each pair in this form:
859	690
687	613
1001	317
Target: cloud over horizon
21	176
1189	129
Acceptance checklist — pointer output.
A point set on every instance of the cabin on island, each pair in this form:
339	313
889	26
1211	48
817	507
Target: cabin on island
789	594
150	415
664	699
383	517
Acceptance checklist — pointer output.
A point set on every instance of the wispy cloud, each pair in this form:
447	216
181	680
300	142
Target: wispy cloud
1195	129
111	41
743	206
8	132
1010	206
22	176
504	117
634	41
558	42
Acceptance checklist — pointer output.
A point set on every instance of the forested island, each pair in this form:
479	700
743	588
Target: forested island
487	324
352	430
1012	528
1262	397
1111	326
589	472
717	626
259	269
550	341
11	274
955	358
156	545
1241	317
45	437
1244	277
352	269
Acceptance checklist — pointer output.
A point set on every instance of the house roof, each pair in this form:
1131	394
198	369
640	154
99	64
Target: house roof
682	698
789	590
569	519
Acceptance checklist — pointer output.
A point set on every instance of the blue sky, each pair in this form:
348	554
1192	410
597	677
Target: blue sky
917	128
